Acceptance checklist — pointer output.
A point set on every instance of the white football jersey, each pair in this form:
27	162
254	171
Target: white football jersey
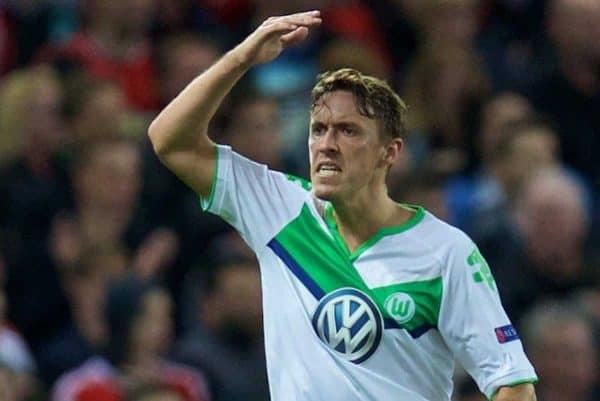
384	322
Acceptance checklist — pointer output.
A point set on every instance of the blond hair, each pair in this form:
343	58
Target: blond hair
374	98
17	91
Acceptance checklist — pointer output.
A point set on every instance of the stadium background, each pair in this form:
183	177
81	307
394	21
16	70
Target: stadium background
104	253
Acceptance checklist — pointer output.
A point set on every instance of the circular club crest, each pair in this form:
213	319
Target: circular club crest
400	306
349	323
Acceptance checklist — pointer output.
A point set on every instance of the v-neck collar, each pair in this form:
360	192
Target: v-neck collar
419	214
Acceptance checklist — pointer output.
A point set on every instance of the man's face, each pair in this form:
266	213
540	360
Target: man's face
347	155
111	178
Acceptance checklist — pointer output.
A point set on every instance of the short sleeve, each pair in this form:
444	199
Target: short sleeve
474	324
255	200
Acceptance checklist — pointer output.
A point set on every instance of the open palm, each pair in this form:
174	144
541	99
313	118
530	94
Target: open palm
277	33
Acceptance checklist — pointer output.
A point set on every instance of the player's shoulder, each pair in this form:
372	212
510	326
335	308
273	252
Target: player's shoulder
302	183
289	184
441	237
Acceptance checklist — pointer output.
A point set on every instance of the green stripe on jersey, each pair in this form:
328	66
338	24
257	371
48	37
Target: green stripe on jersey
318	255
303	183
327	262
411	305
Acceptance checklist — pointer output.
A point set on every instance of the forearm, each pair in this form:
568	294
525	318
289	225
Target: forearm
179	133
183	124
522	392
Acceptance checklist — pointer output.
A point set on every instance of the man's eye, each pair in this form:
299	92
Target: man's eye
317	131
348	131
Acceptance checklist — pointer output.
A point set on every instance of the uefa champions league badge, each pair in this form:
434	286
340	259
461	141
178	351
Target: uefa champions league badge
506	334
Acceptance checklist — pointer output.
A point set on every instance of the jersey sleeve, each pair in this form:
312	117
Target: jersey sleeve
474	324
256	201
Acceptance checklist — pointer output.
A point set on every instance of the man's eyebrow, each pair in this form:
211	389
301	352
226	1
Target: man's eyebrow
350	124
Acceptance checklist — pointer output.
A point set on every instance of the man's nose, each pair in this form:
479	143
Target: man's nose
329	140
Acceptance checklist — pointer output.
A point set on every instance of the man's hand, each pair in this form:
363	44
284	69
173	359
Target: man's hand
521	392
274	35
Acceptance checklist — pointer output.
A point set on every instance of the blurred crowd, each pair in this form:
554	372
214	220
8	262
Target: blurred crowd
114	286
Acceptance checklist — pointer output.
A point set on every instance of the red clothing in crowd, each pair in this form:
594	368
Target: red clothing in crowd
135	73
97	380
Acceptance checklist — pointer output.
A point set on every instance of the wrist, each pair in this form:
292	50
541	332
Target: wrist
240	58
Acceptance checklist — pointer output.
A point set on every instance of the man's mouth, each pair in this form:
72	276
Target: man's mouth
328	170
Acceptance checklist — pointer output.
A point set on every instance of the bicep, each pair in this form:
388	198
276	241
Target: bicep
521	392
196	167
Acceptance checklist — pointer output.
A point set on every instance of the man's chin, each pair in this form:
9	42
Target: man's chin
326	193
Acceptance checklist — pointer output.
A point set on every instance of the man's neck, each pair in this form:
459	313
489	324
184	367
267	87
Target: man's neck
362	217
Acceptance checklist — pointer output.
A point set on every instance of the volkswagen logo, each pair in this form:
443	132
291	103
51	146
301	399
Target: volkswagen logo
349	323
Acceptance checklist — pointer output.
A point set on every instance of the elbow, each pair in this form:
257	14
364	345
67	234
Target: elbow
157	139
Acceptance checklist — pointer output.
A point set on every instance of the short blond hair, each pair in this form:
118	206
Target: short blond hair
374	98
17	91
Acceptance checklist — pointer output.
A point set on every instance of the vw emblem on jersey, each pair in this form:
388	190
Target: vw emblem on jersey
400	306
348	321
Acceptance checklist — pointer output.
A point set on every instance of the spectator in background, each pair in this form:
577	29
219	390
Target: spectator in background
356	21
511	41
107	212
17	367
227	338
447	22
444	87
182	57
480	204
256	130
425	188
340	53
570	370
97	110
34	186
114	45
28	24
497	112
85	283
32	183
29	146
154	393
571	96
140	321
106	184
553	261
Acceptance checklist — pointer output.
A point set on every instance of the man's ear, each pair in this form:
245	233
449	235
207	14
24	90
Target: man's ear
392	151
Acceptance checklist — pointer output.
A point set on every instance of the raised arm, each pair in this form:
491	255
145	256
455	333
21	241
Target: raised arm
179	133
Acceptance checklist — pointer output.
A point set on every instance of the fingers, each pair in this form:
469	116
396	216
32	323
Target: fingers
296	36
308	19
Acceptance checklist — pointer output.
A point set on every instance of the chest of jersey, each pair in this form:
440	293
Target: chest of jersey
388	285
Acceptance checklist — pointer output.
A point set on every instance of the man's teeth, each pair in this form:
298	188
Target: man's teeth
327	171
